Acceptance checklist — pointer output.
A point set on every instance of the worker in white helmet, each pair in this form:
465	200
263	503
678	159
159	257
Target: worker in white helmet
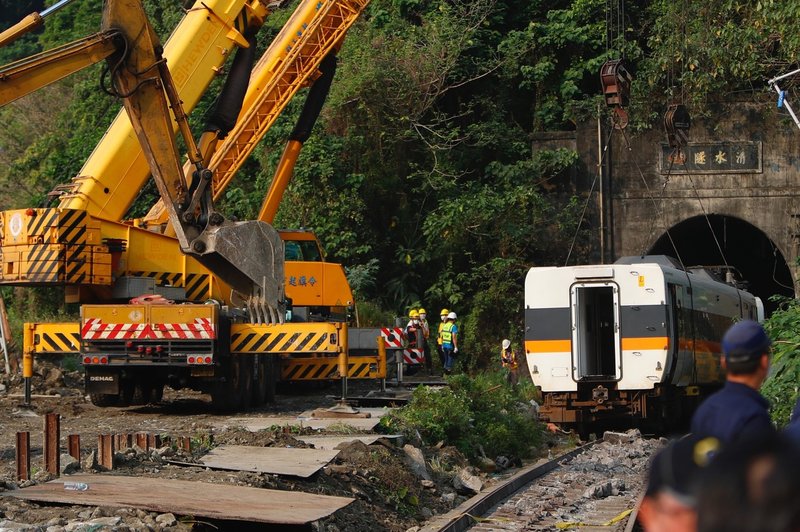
450	342
508	359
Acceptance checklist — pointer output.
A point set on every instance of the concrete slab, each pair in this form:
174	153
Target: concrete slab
254	424
198	499
276	460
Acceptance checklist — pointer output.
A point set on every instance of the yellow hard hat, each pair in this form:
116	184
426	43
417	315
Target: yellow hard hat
413	313
444	312
422	311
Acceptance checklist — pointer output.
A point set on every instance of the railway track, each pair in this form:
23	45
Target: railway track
594	487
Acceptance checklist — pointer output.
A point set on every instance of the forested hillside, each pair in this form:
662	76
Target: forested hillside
420	175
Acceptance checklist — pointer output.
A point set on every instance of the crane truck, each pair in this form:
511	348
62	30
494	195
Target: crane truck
131	351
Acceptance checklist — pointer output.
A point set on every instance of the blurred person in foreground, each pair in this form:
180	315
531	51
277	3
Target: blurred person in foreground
738	411
669	502
752	485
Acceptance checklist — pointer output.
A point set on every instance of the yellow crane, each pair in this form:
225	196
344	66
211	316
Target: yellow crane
318	350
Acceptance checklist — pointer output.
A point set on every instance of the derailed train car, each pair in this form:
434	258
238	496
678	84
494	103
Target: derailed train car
635	342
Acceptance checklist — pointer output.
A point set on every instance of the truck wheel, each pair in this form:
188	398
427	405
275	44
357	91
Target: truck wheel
227	393
103	399
157	393
127	392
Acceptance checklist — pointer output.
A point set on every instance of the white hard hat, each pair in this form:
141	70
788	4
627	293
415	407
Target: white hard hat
506	343
451	316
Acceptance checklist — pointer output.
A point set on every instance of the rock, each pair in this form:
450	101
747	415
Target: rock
605	489
339	469
166	520
69	465
413	529
416	460
11	525
90	462
164	452
93	524
466	483
54	378
487	465
448	497
102	512
426	513
43	476
428	484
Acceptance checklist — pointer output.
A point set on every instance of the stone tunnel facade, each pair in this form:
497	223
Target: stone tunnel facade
739	172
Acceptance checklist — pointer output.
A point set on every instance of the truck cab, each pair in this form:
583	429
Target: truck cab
318	290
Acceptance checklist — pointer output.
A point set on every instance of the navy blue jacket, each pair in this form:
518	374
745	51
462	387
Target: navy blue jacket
733	413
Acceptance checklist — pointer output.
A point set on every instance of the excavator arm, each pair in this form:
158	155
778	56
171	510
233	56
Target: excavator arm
246	255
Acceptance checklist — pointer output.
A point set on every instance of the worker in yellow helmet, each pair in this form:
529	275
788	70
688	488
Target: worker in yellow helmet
413	330
443	315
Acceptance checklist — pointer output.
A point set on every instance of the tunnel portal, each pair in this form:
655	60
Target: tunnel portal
739	244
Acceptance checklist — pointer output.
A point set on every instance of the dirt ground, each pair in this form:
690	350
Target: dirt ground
388	495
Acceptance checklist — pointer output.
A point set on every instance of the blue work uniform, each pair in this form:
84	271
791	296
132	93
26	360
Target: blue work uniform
449	330
735	412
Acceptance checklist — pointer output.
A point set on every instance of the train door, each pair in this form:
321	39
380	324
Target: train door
596	354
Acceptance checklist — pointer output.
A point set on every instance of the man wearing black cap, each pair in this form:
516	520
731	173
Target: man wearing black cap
738	411
669	503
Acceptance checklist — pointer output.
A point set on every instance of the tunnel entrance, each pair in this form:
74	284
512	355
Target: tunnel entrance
744	246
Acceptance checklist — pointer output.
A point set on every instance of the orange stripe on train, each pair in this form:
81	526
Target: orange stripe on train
548	346
642	344
565	346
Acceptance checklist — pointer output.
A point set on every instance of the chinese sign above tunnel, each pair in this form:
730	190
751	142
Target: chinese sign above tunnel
711	158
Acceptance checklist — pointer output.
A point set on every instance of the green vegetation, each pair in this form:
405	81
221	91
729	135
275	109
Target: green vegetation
781	388
423	176
478	415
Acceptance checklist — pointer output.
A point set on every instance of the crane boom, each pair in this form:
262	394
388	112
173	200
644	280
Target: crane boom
116	170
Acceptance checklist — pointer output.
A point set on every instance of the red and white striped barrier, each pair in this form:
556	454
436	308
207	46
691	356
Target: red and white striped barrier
96	329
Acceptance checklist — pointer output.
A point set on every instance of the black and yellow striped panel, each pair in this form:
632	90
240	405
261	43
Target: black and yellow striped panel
365	368
327	368
310	369
196	285
56	338
72	226
57	263
302	338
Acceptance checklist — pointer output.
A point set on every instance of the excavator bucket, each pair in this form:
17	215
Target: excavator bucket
249	257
